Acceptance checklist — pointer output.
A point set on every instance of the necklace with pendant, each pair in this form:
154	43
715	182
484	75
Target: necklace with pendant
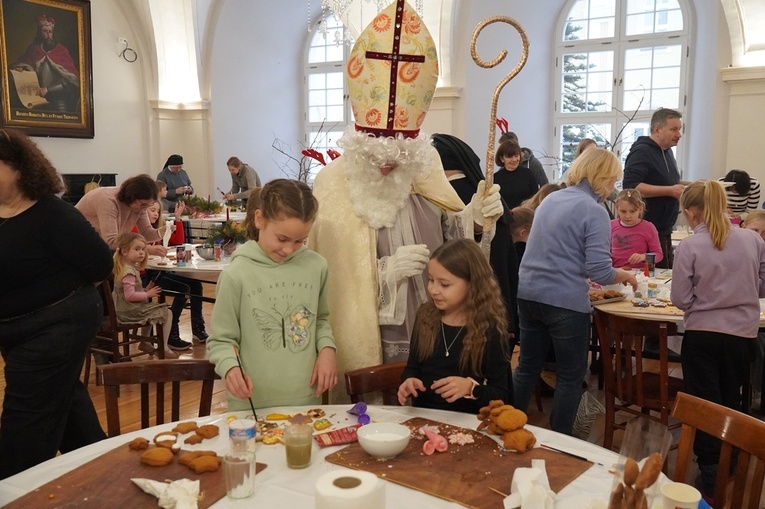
443	336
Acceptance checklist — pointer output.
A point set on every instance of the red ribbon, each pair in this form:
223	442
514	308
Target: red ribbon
314	154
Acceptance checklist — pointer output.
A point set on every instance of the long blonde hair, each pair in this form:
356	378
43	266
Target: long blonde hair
708	200
123	242
600	167
484	308
544	191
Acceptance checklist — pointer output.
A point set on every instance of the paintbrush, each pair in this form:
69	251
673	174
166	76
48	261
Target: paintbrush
545	446
239	361
498	492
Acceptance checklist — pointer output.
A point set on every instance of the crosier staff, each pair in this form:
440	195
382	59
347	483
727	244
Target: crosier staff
495	97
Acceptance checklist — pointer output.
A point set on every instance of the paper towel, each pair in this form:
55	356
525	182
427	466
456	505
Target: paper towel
168	232
344	489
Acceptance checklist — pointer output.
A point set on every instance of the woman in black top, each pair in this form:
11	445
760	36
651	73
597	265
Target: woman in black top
50	310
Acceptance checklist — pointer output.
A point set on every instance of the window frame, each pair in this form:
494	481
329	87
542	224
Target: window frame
619	44
309	68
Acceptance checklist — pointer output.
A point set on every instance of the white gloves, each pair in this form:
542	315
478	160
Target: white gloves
489	207
408	261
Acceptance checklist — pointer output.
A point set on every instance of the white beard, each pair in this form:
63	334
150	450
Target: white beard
376	198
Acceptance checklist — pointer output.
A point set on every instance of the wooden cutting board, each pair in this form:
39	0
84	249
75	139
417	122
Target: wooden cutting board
626	306
463	474
105	482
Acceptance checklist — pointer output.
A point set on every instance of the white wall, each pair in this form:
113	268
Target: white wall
257	84
120	106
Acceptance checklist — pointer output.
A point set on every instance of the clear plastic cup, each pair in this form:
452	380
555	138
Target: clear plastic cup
298	442
239	472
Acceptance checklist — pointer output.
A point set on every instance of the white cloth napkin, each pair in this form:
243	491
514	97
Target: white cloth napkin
530	488
180	494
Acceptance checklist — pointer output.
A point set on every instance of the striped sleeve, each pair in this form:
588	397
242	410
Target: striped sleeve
753	202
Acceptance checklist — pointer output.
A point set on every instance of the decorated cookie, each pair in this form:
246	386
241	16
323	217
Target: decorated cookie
321	424
315	413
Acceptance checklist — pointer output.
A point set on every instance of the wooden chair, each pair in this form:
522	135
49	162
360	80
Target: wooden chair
637	390
736	431
157	372
384	378
115	338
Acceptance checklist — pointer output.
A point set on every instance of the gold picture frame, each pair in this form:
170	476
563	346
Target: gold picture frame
47	77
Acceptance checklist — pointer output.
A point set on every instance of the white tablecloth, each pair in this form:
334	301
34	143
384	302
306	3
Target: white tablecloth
277	486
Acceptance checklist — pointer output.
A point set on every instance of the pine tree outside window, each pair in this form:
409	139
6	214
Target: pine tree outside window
618	61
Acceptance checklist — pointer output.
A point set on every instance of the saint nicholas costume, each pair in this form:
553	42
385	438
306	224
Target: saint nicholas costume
392	73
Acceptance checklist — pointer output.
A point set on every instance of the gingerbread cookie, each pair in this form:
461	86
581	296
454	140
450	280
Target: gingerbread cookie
321	424
300	419
188	457
315	413
194	439
208	431
185	427
166	439
138	444
273	436
157	457
204	464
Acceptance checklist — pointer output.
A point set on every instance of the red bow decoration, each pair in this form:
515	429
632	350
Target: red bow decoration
314	154
333	154
502	125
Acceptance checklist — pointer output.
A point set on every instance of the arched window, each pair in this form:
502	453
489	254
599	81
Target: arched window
327	111
618	61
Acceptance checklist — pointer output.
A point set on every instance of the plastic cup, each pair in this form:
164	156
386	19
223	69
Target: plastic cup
298	441
680	496
239	471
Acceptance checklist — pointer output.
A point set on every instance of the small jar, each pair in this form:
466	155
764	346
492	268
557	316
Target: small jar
241	433
653	291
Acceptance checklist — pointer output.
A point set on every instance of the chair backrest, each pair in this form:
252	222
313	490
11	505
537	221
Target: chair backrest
735	430
384	378
621	348
157	372
110	312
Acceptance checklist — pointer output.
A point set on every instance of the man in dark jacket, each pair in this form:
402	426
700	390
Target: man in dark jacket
528	159
651	169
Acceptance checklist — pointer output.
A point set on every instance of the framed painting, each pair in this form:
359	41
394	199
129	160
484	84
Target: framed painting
47	80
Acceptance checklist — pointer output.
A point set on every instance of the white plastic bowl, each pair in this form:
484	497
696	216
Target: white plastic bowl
383	440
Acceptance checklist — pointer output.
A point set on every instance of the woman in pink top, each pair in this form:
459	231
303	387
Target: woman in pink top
631	237
115	210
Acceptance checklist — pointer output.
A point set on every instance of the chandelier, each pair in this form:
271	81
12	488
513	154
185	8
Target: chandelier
354	14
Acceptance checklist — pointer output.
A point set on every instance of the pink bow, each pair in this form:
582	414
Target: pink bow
314	154
435	442
502	125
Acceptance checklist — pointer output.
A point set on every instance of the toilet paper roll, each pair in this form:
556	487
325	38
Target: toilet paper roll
342	489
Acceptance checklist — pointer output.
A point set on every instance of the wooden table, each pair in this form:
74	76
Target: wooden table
278	486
